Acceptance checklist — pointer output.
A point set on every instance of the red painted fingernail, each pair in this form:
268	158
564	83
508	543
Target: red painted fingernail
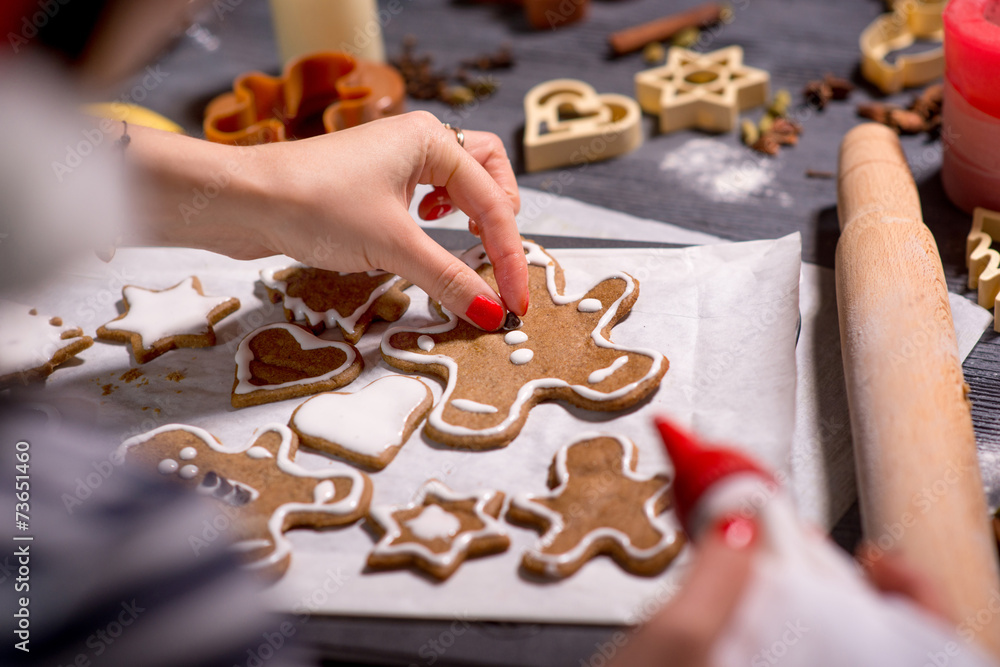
486	313
737	532
439	211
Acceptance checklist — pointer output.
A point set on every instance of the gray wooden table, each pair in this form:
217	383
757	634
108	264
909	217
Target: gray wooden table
794	41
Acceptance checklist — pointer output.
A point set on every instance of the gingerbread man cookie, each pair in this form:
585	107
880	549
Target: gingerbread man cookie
349	301
560	350
281	361
265	491
367	427
439	530
32	345
157	321
598	505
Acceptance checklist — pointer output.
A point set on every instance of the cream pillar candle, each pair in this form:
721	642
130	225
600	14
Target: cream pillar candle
306	26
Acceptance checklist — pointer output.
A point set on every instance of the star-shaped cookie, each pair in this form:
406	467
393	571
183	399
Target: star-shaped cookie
438	530
598	505
349	301
156	321
702	90
263	490
562	350
32	345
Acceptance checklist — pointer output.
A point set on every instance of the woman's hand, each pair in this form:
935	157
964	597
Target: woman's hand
340	202
683	633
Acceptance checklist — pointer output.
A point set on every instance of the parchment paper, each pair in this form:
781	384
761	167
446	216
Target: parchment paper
724	315
822	458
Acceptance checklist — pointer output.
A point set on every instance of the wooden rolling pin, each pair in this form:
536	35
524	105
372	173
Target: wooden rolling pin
919	485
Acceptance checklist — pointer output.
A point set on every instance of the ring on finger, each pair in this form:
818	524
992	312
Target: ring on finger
459	135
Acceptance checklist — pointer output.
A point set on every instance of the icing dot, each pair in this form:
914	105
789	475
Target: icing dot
425	343
167	466
589	306
188	471
521	356
258	452
188	453
515	337
324	491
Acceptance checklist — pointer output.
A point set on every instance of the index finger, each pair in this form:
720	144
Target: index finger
478	194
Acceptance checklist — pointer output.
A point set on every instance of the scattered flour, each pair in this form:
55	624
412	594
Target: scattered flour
723	173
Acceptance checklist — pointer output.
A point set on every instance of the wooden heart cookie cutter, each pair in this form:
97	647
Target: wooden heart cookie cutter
316	94
909	21
983	261
567	122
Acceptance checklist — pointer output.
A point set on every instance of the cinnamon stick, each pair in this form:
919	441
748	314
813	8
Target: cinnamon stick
636	37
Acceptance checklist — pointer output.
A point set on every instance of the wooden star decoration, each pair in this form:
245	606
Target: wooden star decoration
438	530
701	90
599	505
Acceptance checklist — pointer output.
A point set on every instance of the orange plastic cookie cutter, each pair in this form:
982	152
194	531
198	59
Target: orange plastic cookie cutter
983	261
318	93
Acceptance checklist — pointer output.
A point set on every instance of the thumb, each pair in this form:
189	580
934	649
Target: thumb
446	278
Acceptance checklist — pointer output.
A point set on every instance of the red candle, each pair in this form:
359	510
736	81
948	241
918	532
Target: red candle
971	116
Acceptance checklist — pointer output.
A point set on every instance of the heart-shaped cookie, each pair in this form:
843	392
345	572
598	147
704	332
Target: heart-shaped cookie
281	361
567	122
367	427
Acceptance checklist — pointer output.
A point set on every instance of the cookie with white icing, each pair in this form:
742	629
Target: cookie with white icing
438	530
325	299
264	492
562	350
366	427
157	321
32	345
598	505
281	361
